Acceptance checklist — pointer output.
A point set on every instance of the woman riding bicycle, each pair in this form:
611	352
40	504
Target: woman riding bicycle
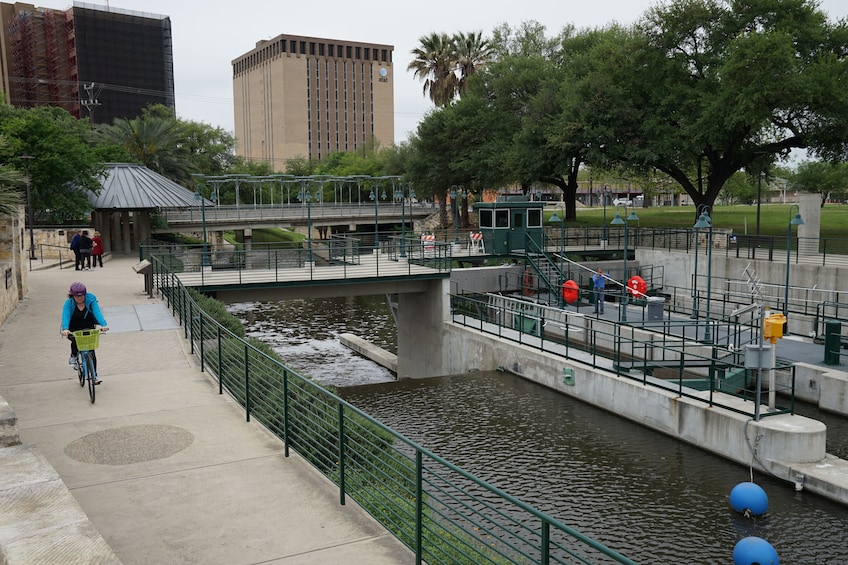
81	312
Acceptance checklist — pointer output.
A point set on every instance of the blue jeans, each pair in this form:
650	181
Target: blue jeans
599	300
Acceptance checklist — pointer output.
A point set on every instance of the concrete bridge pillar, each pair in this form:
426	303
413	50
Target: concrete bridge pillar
421	318
809	234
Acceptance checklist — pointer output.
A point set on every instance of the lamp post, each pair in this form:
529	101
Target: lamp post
376	198
30	215
561	221
793	221
604	195
618	221
400	194
704	221
306	196
204	258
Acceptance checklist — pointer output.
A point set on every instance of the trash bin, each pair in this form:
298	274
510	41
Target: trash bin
656	306
832	341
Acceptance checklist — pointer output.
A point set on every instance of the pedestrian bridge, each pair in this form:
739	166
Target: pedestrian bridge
290	215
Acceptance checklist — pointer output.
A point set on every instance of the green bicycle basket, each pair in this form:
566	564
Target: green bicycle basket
87	340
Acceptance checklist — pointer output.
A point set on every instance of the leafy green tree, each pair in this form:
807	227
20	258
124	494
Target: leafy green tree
704	88
828	179
63	164
10	182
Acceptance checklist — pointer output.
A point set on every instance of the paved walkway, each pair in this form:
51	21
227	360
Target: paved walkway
167	470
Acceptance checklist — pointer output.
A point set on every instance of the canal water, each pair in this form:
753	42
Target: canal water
650	497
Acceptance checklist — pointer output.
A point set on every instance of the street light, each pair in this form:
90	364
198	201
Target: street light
561	221
306	196
455	194
617	221
399	194
30	215
704	221
204	258
556	219
796	221
604	196
376	198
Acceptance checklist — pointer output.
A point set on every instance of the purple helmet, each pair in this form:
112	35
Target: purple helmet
77	288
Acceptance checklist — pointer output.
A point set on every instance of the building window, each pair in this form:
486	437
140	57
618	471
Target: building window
293	46
321	49
359	52
384	55
367	53
331	50
348	52
485	218
534	218
303	48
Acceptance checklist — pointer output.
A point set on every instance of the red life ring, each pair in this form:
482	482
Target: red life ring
570	291
528	285
637	286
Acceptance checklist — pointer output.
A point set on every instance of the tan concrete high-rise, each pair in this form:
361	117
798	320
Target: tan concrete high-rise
308	97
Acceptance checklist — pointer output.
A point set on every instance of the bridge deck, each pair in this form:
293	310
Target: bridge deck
370	267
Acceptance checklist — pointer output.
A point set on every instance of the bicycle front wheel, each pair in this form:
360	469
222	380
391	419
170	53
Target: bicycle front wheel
92	376
80	369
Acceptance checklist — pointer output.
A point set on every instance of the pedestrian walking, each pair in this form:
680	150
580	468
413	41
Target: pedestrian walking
599	284
85	245
75	247
96	250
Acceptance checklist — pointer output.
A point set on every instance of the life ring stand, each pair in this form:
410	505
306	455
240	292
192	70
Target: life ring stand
637	287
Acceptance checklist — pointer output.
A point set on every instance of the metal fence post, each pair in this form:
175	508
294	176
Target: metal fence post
341	455
246	382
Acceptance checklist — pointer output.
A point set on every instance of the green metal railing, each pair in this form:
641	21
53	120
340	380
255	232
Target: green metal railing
441	512
635	350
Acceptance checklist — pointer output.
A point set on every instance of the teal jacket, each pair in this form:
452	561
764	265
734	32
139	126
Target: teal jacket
91	309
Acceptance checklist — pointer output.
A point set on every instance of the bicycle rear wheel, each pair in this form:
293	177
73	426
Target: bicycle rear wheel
80	369
92	376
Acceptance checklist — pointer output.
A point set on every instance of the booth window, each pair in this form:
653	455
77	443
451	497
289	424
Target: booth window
534	218
501	218
485	218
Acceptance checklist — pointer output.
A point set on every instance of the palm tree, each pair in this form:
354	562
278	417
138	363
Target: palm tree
435	65
154	141
10	182
471	52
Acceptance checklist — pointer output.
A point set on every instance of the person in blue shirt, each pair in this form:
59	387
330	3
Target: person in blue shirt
599	283
81	312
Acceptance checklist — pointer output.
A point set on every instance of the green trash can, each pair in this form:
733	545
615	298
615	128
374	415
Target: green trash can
832	341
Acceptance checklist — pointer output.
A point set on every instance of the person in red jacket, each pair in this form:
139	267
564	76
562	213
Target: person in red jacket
96	250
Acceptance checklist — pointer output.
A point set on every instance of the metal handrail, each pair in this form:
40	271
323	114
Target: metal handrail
580	339
440	511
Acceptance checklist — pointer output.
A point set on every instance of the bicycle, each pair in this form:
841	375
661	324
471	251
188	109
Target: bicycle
87	342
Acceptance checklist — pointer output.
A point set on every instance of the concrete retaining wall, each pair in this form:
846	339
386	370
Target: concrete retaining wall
790	447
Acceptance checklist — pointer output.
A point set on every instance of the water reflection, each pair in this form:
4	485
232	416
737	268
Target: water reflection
653	498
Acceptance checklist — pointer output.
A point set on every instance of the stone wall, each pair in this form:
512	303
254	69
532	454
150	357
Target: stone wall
13	275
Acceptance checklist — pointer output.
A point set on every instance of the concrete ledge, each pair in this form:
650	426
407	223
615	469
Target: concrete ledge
371	351
40	521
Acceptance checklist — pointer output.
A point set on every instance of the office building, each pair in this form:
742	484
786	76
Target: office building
93	61
308	97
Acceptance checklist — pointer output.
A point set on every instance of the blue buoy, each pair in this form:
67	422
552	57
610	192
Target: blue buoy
749	499
754	551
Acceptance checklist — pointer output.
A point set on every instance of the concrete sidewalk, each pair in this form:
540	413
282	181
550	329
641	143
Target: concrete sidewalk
166	469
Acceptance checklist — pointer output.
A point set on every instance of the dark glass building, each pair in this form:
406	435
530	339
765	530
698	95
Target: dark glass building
94	61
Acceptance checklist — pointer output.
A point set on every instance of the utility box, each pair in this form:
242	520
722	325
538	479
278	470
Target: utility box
773	327
656	308
832	341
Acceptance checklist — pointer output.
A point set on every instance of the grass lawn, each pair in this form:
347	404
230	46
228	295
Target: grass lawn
774	218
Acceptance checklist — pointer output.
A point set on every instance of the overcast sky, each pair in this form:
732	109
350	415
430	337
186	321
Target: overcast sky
209	35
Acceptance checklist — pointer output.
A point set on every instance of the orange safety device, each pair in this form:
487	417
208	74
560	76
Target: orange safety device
570	291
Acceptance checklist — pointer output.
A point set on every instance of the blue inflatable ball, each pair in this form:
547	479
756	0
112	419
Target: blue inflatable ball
748	498
754	551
